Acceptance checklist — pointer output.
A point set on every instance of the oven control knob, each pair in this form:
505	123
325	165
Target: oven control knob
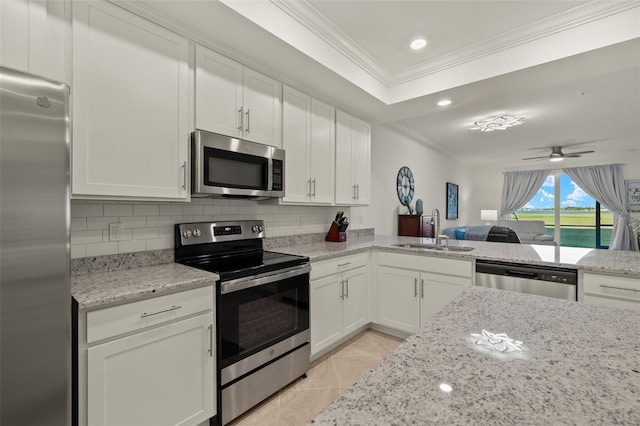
197	233
260	228
186	233
254	228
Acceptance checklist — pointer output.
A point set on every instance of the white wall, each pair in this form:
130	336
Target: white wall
488	180
487	191
392	149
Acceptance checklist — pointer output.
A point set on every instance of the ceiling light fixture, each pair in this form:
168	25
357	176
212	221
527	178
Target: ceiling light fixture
500	122
418	44
444	102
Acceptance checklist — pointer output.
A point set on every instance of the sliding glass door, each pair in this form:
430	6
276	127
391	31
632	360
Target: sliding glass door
571	216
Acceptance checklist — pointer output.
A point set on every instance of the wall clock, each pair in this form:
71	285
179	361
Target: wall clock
405	186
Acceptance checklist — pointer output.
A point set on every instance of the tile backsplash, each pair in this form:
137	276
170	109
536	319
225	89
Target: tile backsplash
149	225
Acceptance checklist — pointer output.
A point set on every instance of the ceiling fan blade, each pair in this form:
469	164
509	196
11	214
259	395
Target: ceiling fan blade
577	154
536	158
573	143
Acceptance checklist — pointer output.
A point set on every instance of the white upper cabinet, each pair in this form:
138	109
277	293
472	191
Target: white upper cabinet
130	106
236	101
353	160
308	137
35	37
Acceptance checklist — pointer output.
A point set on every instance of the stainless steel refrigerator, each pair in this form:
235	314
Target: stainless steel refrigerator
35	293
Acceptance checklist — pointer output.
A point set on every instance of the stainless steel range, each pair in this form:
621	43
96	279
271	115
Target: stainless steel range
262	310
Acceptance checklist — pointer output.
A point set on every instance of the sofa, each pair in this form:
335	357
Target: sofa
529	231
496	234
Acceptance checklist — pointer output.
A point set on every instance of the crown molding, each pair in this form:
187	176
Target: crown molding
309	17
572	18
303	12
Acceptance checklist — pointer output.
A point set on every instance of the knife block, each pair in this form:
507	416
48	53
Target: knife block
334	235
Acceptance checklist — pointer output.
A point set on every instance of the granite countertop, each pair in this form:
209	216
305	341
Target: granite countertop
579	364
93	291
585	259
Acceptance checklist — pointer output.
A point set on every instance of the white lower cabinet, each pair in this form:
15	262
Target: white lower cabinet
412	289
338	300
149	362
157	377
614	291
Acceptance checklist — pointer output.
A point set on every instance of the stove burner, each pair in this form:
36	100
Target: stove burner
230	249
231	267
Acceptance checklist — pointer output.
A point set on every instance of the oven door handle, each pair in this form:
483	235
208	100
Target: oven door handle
243	283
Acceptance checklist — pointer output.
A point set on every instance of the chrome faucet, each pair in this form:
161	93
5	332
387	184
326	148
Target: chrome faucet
435	220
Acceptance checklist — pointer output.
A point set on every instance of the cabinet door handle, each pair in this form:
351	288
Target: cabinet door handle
343	264
342	289
354	192
347	287
241	121
314	186
211	340
248	114
309	187
161	311
618	288
357	191
415	287
422	289
184	175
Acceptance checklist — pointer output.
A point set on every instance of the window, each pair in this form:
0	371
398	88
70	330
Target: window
582	221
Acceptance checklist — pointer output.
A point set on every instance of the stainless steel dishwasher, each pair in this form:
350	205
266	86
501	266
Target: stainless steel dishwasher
547	281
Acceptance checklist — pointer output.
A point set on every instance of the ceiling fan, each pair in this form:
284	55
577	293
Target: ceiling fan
557	154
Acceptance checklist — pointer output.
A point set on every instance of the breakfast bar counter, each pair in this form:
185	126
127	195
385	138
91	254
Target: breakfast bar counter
499	357
618	262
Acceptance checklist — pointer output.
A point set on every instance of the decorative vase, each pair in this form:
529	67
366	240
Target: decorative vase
419	207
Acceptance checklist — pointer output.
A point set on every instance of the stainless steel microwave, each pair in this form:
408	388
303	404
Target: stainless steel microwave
223	166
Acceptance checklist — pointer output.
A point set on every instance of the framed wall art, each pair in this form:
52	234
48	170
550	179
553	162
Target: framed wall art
452	200
633	195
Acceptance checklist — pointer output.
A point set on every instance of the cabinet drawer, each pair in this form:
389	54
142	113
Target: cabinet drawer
109	322
436	265
341	264
611	302
606	285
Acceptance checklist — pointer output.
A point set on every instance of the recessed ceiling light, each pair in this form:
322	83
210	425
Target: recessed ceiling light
418	43
444	102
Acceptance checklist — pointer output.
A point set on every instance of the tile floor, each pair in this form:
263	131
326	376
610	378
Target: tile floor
327	379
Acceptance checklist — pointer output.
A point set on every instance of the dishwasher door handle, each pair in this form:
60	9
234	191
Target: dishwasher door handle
520	274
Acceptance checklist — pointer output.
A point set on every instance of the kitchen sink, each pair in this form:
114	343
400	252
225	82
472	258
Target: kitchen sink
440	247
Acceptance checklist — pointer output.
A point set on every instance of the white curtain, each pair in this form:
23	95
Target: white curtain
606	185
519	188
